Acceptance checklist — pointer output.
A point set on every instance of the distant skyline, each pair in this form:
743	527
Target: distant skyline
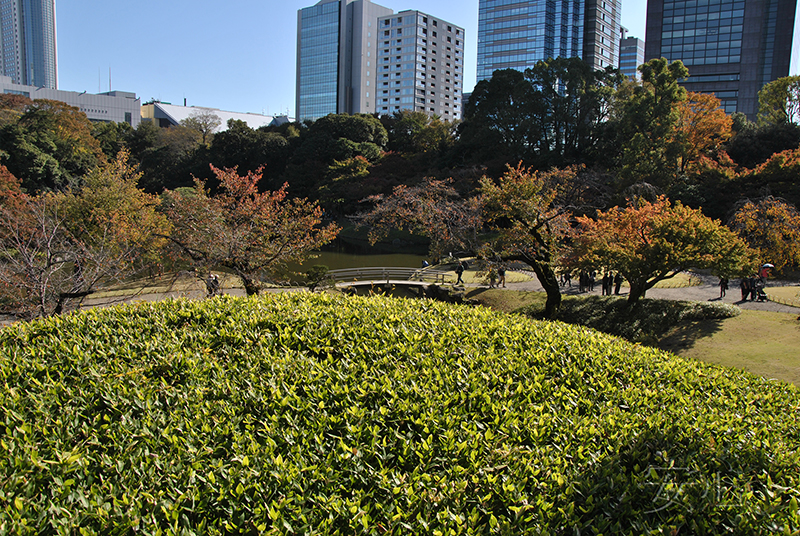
236	56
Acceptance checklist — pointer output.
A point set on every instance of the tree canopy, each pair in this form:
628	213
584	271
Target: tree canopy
650	242
770	226
249	232
779	101
57	248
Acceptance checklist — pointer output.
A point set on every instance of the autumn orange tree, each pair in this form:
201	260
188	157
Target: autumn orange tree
701	129
650	242
770	226
58	248
249	232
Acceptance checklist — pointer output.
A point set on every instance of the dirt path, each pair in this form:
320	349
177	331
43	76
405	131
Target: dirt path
708	290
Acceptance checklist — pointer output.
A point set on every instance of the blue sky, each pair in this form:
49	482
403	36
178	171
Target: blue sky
237	55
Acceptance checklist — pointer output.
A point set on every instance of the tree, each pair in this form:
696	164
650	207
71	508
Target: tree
779	101
496	117
701	129
752	145
57	248
650	242
204	121
530	212
433	209
50	147
335	137
570	101
247	149
417	132
112	137
244	230
645	121
770	226
12	107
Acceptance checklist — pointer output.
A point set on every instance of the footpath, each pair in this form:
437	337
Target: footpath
707	290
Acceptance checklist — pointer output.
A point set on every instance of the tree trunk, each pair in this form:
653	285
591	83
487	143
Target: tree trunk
547	277
251	286
638	290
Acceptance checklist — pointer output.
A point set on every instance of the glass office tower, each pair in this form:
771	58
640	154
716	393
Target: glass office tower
515	34
336	57
631	56
28	38
317	60
731	47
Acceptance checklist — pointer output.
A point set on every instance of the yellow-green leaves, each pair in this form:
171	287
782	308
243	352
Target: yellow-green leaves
317	414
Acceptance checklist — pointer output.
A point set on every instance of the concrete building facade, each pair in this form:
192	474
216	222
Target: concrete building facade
515	34
420	65
165	115
731	47
112	106
28	40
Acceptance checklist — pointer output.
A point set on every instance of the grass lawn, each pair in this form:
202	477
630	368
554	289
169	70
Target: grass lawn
759	342
786	295
764	343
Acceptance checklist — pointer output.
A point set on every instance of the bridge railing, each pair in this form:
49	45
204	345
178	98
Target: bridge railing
390	274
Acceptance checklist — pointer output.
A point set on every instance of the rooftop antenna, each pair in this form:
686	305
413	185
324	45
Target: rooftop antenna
109	79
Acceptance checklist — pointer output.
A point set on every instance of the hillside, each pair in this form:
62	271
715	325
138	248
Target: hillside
315	414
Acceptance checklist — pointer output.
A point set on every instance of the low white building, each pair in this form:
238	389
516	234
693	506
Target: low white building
116	106
165	115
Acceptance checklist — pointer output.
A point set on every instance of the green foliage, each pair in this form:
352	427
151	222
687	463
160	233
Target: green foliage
644	321
317	276
317	414
779	101
50	146
551	116
645	121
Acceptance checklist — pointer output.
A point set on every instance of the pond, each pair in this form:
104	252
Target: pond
340	256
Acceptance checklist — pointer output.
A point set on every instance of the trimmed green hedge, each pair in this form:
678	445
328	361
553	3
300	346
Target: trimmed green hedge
318	414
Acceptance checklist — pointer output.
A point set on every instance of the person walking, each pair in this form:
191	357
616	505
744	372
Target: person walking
753	288
744	285
459	273
501	276
723	286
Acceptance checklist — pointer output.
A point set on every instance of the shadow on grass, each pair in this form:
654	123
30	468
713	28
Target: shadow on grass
686	336
647	321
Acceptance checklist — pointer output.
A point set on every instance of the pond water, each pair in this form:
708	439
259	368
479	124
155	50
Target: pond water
337	260
340	256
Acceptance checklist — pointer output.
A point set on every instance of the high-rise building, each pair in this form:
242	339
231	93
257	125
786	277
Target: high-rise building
731	47
420	65
631	54
354	56
515	34
28	40
336	57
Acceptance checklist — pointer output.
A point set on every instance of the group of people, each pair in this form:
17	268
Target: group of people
753	287
496	275
587	280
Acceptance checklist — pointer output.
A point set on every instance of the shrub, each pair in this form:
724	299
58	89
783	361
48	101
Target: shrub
320	414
